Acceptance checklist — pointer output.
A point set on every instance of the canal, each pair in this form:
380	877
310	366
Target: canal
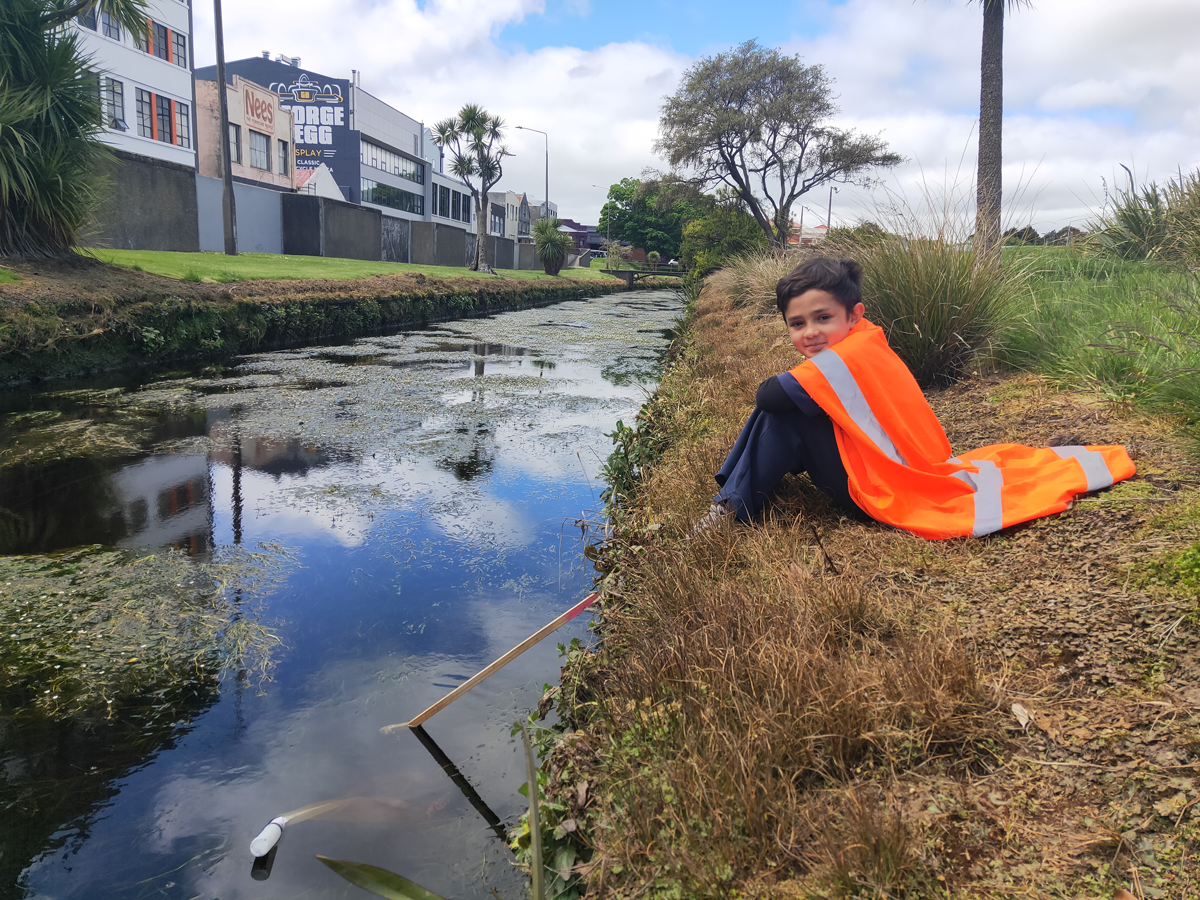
374	522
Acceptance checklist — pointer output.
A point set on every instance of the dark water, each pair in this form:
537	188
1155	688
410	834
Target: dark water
426	486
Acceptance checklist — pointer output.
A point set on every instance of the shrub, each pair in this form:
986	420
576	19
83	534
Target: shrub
1151	223
551	245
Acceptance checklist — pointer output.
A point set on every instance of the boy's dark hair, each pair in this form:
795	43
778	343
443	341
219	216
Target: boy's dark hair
840	277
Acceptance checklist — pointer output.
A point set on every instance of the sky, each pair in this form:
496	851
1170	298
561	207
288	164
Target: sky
1089	85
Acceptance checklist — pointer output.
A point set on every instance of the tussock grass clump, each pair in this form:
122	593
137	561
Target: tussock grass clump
944	310
1154	222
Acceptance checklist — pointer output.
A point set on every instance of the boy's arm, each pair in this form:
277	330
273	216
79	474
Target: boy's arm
778	395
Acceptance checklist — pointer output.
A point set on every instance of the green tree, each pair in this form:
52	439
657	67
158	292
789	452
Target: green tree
758	122
989	189
635	212
476	143
51	158
724	231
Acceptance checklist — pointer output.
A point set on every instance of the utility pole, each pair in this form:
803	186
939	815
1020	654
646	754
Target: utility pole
546	207
228	213
829	214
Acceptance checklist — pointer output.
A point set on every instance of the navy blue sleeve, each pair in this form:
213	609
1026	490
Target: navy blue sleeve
783	394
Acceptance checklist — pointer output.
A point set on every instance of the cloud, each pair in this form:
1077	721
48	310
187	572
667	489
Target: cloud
1088	84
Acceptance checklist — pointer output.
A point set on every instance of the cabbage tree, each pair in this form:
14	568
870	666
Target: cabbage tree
51	158
475	140
551	245
990	183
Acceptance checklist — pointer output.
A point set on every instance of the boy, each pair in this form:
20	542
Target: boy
853	417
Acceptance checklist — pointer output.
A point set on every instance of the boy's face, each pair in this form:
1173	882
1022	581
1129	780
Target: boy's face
816	320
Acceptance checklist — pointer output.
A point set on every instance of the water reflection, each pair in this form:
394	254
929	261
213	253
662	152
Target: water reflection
426	482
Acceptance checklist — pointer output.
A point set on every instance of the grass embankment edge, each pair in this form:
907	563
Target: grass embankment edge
815	707
79	316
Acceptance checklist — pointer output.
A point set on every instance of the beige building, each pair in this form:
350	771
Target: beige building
260	134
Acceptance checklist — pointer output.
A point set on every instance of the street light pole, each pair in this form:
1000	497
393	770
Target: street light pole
229	214
829	213
546	202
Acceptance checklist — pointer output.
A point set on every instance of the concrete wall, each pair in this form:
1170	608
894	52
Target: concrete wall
259	217
451	243
470	248
302	224
151	205
396	237
527	258
424	243
435	244
352	232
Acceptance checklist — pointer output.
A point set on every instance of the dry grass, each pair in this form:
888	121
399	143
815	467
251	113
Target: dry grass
818	707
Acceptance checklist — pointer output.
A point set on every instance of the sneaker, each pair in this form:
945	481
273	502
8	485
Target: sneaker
717	513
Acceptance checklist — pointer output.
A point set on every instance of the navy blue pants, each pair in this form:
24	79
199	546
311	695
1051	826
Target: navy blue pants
771	445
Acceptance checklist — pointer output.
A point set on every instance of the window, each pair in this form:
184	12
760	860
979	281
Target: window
285	162
162	108
145	113
180	48
443	202
466	208
381	158
140	41
110	26
497	219
112	104
455	205
386	195
260	151
183	125
235	143
162	41
87	19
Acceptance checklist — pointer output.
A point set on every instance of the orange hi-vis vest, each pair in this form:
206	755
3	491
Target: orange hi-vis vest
901	468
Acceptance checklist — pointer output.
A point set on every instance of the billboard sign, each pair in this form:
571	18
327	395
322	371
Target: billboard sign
320	126
258	107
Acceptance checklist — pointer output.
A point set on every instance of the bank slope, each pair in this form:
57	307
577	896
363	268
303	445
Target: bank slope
817	707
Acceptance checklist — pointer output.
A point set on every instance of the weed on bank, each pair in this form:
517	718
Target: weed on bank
820	707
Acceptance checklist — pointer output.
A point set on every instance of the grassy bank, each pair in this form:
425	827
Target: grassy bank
80	316
1130	330
818	707
224	269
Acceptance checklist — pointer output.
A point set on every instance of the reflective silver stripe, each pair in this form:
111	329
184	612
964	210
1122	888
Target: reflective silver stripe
841	379
989	510
1093	465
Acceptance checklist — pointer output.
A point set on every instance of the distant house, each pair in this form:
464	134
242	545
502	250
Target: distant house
806	235
579	233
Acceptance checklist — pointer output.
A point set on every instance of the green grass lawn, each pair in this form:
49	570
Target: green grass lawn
7	277
1132	329
248	266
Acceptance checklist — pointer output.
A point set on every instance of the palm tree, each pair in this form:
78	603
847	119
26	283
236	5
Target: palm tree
989	187
50	120
476	142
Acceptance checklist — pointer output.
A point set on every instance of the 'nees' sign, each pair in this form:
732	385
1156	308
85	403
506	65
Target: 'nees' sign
260	111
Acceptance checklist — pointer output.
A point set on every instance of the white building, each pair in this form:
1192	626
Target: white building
146	85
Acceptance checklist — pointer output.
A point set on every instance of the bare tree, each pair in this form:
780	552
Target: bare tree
757	121
475	140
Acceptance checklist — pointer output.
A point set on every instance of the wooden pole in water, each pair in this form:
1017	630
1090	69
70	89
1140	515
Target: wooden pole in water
497	665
